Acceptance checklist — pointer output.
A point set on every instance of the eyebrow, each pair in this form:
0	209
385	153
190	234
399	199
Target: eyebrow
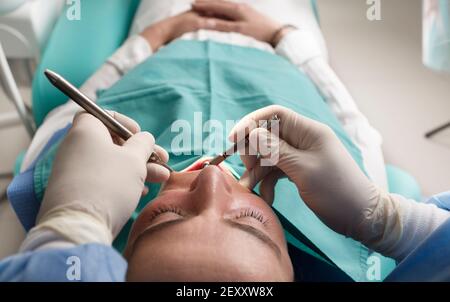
261	236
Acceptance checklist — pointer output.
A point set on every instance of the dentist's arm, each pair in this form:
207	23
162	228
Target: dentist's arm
94	187
332	185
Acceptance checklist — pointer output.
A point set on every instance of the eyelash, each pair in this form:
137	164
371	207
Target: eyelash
161	210
243	213
251	213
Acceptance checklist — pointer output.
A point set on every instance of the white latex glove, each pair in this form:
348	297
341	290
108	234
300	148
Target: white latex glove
327	178
96	184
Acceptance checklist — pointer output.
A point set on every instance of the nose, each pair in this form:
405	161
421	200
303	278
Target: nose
211	190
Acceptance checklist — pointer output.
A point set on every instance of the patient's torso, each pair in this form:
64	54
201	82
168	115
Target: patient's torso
209	85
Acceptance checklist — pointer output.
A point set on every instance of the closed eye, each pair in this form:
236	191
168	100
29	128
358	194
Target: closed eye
165	209
240	214
248	212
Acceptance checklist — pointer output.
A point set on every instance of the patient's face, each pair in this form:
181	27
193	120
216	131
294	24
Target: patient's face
205	226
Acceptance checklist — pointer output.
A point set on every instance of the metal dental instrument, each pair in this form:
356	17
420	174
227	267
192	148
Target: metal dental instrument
233	149
77	96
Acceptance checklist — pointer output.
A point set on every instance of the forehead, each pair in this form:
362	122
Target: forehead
194	245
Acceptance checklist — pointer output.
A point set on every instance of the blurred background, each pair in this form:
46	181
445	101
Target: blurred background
381	64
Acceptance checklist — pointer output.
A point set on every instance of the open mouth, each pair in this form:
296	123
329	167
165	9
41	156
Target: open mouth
198	165
201	163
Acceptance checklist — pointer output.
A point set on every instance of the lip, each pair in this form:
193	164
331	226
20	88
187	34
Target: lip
198	165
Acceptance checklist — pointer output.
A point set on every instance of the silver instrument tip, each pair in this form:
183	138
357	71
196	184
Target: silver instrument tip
51	76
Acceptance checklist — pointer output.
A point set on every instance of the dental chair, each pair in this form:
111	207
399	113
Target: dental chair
77	49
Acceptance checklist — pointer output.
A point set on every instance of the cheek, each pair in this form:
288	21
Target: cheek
278	230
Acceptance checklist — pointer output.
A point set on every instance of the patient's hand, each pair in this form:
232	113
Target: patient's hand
165	31
241	18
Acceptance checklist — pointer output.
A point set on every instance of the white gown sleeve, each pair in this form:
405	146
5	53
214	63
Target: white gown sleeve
302	49
133	52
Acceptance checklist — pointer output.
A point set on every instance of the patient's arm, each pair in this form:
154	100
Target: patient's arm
302	49
135	50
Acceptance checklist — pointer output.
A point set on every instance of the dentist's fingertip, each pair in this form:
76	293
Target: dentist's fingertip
232	135
245	183
163	154
157	173
144	191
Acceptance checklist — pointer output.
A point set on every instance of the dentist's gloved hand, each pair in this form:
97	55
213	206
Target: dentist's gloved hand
331	184
327	178
96	184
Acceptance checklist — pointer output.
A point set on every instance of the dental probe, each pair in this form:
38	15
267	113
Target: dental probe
233	149
77	96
